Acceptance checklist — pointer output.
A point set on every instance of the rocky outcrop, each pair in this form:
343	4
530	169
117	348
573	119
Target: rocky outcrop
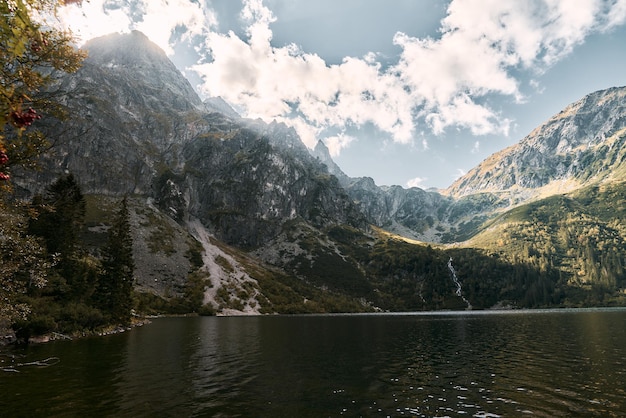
584	143
137	128
212	191
247	183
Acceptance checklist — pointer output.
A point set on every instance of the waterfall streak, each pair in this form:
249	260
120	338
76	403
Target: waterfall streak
459	290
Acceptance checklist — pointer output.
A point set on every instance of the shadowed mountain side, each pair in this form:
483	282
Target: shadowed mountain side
241	217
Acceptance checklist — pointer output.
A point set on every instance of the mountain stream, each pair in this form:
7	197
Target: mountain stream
459	290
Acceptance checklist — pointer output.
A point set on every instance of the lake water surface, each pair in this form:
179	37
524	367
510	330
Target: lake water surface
484	364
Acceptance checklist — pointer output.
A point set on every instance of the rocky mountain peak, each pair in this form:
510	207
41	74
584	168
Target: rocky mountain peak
134	58
219	105
584	143
221	195
322	153
128	49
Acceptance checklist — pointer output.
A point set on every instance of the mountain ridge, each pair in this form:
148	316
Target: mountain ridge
556	150
261	216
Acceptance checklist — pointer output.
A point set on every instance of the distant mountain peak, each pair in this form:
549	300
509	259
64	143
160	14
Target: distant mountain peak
584	143
322	150
322	153
133	57
131	48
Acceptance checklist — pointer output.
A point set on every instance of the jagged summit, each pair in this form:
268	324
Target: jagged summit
217	104
243	208
322	152
132	57
584	143
133	48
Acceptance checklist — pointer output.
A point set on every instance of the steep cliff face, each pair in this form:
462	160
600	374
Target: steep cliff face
247	183
133	60
582	144
413	213
410	212
137	128
240	202
130	112
322	153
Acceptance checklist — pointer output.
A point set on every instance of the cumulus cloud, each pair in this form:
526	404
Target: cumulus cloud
274	83
439	82
616	15
435	83
91	19
416	182
337	143
482	44
157	19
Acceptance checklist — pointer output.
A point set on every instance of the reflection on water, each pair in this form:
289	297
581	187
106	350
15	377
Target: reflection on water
558	363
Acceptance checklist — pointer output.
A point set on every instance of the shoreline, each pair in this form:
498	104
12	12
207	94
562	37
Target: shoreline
8	337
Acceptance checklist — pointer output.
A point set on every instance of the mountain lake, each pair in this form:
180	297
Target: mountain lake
538	363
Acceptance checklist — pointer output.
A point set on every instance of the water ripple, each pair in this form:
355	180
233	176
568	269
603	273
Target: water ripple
550	364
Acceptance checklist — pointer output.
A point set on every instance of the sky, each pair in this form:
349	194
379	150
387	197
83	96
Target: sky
409	92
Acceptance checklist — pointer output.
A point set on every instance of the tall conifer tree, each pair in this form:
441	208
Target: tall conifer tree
61	216
59	220
116	283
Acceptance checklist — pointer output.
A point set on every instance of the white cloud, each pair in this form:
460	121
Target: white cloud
90	19
162	17
617	14
416	182
437	83
338	142
536	85
271	83
440	82
482	45
157	19
476	148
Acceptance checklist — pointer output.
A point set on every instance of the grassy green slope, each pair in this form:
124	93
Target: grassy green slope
581	235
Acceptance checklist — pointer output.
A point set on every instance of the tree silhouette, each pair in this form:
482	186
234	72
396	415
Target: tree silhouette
114	290
61	213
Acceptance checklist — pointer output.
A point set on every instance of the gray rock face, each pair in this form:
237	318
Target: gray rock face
247	183
217	104
322	153
130	112
410	212
137	127
583	143
414	208
135	61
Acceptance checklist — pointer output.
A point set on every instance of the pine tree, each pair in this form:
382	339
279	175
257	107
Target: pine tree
115	285
58	217
61	214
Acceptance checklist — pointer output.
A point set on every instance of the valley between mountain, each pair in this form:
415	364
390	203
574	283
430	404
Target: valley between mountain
235	216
